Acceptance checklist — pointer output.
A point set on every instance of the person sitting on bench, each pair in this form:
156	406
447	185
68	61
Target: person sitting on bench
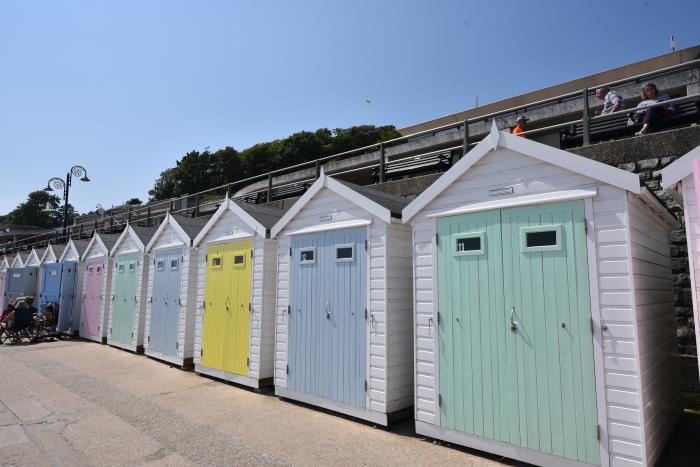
612	101
650	118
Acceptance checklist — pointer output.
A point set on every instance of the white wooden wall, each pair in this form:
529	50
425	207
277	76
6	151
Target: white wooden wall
692	231
656	326
128	246
230	228
50	257
621	368
390	375
170	239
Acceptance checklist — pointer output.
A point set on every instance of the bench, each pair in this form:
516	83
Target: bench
686	113
401	168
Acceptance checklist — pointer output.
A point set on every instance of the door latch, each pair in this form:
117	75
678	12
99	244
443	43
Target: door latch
513	323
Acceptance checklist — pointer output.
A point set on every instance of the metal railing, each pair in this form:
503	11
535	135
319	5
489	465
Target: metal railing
156	210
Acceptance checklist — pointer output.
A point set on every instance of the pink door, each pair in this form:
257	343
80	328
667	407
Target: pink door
90	322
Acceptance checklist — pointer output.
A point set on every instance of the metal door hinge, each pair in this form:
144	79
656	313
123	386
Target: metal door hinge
289	309
201	352
177	345
149	338
250	308
365	313
251	253
204	305
287	369
439	400
585	226
438	317
597	432
366	244
366	386
247	362
206	257
110	330
290	251
132	335
437	239
592	326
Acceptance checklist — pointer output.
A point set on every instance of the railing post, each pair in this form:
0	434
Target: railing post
196	206
269	187
465	140
318	169
111	222
81	231
128	214
382	164
586	119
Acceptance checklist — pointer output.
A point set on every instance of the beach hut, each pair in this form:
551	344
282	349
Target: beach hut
127	304
172	276
97	268
544	320
4	265
53	253
681	179
344	310
71	302
20	280
234	330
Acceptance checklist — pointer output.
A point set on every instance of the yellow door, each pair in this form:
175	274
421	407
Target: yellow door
227	295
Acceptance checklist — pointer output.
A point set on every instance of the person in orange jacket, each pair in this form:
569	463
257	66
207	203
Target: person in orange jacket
520	125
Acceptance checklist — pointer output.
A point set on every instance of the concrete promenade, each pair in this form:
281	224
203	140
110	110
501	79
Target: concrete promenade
78	403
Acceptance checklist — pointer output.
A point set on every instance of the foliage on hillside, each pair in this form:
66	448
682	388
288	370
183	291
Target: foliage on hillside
41	209
198	171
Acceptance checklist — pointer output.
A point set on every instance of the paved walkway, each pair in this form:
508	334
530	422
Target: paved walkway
78	403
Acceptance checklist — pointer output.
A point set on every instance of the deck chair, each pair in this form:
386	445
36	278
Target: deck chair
19	328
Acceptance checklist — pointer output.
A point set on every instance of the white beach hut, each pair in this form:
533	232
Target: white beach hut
172	279
234	331
344	316
544	321
681	179
97	268
128	289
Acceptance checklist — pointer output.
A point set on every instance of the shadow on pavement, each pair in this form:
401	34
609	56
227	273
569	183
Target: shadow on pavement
683	449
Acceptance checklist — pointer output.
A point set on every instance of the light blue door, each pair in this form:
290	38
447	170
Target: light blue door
50	284
67	296
327	316
165	306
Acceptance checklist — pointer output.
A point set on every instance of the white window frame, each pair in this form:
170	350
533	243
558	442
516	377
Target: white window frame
307	248
344	260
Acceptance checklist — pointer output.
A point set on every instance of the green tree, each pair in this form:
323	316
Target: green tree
134	202
198	171
41	209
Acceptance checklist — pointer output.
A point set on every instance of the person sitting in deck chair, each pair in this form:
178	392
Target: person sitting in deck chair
44	321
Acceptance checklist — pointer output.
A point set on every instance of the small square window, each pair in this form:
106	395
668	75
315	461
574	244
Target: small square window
52	272
469	244
99	268
132	267
160	265
344	253
239	260
121	268
174	263
216	262
90	271
540	238
307	255
16	275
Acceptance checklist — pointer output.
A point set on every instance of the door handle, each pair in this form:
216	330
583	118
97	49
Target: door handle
513	323
328	310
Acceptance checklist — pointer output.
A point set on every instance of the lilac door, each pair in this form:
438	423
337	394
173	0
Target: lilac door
90	319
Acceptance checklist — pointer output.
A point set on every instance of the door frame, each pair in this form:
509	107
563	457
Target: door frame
327	403
244	379
598	362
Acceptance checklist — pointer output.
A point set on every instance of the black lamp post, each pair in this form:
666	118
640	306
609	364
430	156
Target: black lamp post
60	184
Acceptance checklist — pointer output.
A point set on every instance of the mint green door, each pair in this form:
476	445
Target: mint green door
516	349
124	298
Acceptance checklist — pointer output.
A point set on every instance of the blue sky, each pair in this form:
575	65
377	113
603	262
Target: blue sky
127	87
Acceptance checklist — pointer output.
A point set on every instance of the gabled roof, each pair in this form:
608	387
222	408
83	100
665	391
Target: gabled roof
381	205
500	139
258	218
4	264
36	255
187	228
78	246
105	242
140	235
679	169
17	261
56	249
25	256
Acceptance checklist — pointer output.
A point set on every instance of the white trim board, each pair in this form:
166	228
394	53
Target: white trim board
100	244
358	412
171	221
337	187
499	139
527	200
679	169
331	226
129	231
239	212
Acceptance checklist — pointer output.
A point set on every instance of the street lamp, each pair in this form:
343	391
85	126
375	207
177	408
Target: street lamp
59	184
